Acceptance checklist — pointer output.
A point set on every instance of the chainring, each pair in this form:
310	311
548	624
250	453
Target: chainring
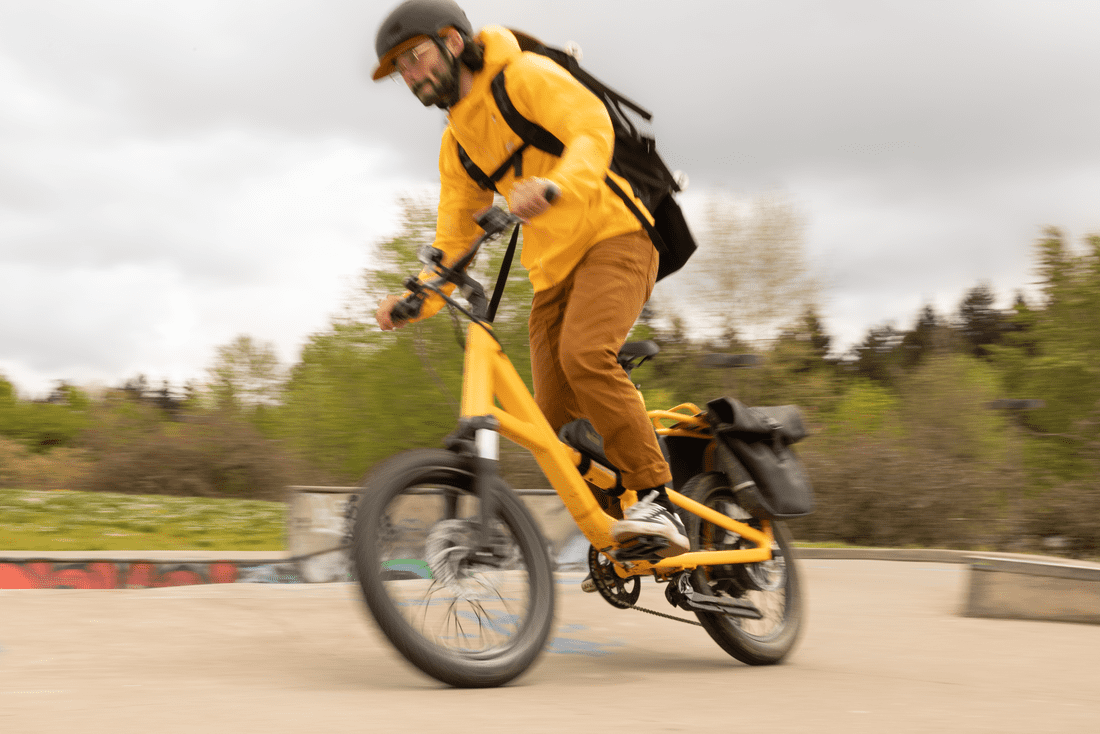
619	592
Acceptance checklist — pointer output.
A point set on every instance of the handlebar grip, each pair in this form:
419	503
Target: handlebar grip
552	192
405	310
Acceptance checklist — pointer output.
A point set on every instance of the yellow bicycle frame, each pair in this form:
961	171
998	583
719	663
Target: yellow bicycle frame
492	387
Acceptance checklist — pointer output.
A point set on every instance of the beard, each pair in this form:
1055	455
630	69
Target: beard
439	89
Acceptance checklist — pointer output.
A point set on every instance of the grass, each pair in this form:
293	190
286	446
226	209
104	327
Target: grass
83	521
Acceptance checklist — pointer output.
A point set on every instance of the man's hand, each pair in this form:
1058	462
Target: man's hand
384	314
531	197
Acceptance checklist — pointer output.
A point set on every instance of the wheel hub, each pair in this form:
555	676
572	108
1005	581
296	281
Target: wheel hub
451	553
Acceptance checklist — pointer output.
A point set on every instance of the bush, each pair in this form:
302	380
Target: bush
207	455
60	468
876	492
1068	515
41	426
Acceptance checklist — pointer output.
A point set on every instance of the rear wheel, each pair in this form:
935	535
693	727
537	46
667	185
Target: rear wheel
771	586
467	615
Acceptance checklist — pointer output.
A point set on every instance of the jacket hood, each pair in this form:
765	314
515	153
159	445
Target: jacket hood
501	47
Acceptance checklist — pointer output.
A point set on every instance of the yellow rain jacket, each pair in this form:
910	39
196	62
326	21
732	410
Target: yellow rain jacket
587	212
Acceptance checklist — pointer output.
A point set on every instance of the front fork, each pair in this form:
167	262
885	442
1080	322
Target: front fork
477	439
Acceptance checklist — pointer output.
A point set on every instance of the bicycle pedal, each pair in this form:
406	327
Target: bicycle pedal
641	549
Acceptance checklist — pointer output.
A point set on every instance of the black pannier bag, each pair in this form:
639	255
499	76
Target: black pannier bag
776	487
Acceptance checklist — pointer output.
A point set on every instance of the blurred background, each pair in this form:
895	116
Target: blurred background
200	204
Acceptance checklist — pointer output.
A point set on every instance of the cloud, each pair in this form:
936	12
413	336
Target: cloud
118	273
126	253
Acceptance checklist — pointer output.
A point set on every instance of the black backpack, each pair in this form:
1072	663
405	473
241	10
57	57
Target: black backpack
635	158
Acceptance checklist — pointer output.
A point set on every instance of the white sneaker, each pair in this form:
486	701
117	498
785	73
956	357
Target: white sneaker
646	518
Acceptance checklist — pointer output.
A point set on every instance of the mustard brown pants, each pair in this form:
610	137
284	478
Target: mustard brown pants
577	328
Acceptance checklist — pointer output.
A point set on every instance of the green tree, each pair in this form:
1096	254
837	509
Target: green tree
979	323
246	374
878	356
926	335
359	395
1019	327
751	270
43	425
1054	352
804	346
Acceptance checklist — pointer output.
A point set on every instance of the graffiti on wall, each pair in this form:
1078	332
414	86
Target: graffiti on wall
45	574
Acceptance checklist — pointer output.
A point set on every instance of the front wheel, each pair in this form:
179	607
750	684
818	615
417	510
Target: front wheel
467	612
771	586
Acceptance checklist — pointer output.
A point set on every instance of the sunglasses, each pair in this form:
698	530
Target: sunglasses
408	59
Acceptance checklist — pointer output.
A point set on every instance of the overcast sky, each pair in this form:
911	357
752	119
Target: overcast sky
175	173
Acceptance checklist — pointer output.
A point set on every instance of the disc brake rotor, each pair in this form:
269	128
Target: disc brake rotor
768	575
734	579
449	553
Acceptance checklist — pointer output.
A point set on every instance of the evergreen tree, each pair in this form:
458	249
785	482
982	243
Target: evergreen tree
877	357
980	324
805	345
922	339
1054	353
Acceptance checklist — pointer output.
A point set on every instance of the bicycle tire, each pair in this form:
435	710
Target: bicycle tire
465	622
774	587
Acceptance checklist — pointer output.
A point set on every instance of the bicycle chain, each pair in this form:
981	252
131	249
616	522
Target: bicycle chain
666	616
613	589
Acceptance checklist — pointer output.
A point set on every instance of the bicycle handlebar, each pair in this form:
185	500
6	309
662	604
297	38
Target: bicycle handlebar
494	221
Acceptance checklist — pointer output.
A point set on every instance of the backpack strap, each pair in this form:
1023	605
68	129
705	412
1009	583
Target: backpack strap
531	133
536	135
474	171
502	278
654	235
489	181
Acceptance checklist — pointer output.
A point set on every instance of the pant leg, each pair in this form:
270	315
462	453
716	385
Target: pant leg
552	393
590	314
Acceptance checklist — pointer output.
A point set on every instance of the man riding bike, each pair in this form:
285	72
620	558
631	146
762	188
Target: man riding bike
591	264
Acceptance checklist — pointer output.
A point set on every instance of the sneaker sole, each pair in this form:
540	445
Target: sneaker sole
678	543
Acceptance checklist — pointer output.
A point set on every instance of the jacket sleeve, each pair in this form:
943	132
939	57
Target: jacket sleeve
545	93
455	229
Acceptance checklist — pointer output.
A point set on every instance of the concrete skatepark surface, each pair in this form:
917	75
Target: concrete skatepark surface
884	649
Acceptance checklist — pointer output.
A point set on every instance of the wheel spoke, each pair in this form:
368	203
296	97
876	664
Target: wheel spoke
771	586
460	618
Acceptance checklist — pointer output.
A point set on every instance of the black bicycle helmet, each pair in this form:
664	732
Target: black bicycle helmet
409	22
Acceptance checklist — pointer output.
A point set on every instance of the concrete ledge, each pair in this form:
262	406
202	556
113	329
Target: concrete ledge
141	569
122	556
917	555
1003	585
1015	588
